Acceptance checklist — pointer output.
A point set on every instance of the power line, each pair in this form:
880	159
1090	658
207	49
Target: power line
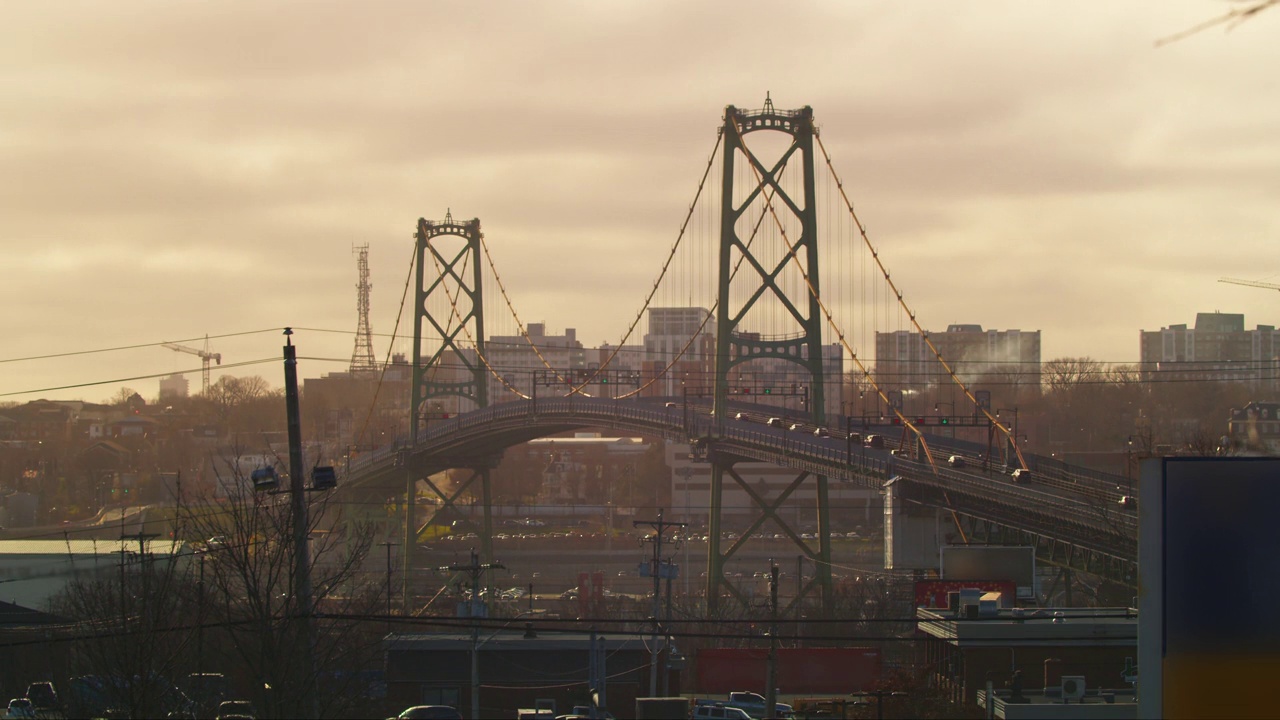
133	347
129	379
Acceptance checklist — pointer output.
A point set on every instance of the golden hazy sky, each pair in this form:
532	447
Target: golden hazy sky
187	167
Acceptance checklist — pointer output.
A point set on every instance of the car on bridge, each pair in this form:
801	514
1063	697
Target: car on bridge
875	441
956	461
775	422
1021	475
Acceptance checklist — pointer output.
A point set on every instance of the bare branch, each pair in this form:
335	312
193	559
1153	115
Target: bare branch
1231	19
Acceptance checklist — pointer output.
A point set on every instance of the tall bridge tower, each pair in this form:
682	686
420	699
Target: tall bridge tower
449	306
756	279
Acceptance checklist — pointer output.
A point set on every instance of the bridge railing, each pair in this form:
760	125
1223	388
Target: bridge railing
1067	497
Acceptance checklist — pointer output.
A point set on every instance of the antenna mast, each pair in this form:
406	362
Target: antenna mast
362	357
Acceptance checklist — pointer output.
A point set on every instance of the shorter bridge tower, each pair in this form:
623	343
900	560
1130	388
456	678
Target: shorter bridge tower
449	306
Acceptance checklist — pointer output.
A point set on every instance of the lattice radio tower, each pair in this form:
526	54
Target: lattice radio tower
362	357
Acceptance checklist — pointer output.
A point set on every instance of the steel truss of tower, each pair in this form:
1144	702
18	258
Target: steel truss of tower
736	346
448	270
362	356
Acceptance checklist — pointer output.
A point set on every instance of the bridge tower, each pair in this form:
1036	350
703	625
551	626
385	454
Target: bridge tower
765	192
442	273
449	264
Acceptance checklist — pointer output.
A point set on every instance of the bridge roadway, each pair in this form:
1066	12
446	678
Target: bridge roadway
1071	515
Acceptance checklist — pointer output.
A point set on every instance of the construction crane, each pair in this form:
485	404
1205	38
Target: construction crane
205	357
1249	283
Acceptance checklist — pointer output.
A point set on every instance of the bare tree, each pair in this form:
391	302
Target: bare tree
1243	10
250	597
230	606
131	633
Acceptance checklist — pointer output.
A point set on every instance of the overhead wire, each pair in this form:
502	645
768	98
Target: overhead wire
757	170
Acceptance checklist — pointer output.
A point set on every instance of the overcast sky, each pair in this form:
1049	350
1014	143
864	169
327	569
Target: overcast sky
183	167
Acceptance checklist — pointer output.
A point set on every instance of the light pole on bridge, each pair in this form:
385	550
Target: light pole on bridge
1011	441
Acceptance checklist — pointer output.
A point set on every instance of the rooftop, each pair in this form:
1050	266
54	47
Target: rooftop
1097	704
66	547
1046	626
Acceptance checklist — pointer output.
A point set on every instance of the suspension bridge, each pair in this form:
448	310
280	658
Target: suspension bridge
785	294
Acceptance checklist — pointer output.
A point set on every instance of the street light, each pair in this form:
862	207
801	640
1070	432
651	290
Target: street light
322	478
1011	440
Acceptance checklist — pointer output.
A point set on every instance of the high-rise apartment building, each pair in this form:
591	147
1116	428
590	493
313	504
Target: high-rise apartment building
1005	361
684	339
174	386
1216	348
513	358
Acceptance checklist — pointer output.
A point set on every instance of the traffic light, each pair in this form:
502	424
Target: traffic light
944	420
604	379
897	421
921	421
746	391
768	391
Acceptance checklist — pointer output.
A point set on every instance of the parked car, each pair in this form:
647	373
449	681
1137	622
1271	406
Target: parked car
430	712
21	708
42	695
235	710
718	711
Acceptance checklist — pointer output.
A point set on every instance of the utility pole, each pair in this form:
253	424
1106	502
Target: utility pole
388	545
771	675
474	610
298	507
142	539
660	527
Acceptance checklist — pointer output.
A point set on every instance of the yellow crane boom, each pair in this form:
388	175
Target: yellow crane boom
205	357
1249	283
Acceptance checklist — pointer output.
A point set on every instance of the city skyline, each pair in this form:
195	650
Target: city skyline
178	171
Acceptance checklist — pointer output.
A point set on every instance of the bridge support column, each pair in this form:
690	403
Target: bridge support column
715	560
823	561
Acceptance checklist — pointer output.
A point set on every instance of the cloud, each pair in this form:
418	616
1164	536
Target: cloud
182	168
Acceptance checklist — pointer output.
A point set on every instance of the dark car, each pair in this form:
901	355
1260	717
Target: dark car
875	441
430	712
42	695
235	710
1021	475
